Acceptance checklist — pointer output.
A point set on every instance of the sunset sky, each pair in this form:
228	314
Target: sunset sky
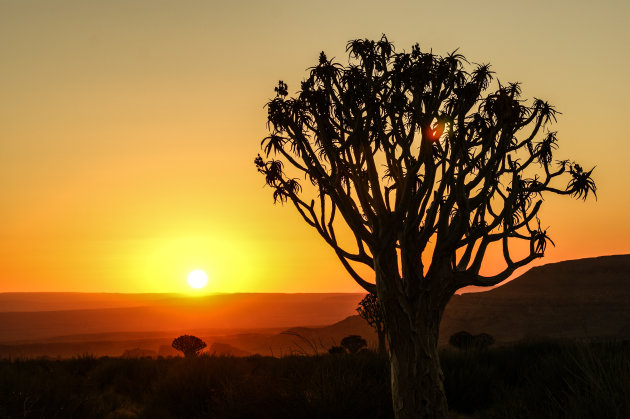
128	130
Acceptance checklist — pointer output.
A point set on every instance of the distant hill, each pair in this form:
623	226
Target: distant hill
585	298
166	312
55	301
301	340
572	299
224	349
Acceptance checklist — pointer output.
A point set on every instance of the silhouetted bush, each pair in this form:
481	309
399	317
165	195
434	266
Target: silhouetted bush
189	345
337	350
460	340
465	341
353	343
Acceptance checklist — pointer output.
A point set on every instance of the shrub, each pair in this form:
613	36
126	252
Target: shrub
189	345
353	343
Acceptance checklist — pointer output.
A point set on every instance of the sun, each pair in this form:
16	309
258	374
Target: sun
197	279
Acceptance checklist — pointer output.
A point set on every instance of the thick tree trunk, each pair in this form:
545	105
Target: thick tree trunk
382	346
416	374
412	319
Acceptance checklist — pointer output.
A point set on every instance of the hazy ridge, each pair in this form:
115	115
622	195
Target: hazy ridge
572	299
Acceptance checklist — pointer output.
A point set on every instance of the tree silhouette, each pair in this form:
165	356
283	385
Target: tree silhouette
429	167
370	310
189	345
353	343
335	350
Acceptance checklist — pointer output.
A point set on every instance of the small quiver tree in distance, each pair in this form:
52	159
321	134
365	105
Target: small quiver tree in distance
431	166
189	345
353	343
370	310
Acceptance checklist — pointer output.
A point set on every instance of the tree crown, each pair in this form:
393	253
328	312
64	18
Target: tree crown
189	345
414	150
353	343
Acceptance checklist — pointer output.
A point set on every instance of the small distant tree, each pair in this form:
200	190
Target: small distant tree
370	310
334	350
189	345
460	340
353	343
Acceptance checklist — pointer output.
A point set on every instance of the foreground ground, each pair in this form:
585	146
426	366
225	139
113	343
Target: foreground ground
528	380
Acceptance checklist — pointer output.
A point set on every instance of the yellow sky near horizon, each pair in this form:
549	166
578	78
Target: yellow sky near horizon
128	131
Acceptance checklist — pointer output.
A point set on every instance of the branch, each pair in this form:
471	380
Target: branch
369	287
470	278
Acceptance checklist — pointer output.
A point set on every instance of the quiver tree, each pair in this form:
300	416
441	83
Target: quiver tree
189	345
370	310
353	343
430	165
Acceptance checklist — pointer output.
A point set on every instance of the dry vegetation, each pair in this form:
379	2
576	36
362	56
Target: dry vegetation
527	380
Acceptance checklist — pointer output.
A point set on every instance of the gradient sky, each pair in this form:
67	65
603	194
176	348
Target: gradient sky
128	130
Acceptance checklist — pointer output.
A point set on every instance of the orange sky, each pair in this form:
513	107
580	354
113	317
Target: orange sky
128	131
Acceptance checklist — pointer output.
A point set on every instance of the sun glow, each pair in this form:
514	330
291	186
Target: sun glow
197	279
